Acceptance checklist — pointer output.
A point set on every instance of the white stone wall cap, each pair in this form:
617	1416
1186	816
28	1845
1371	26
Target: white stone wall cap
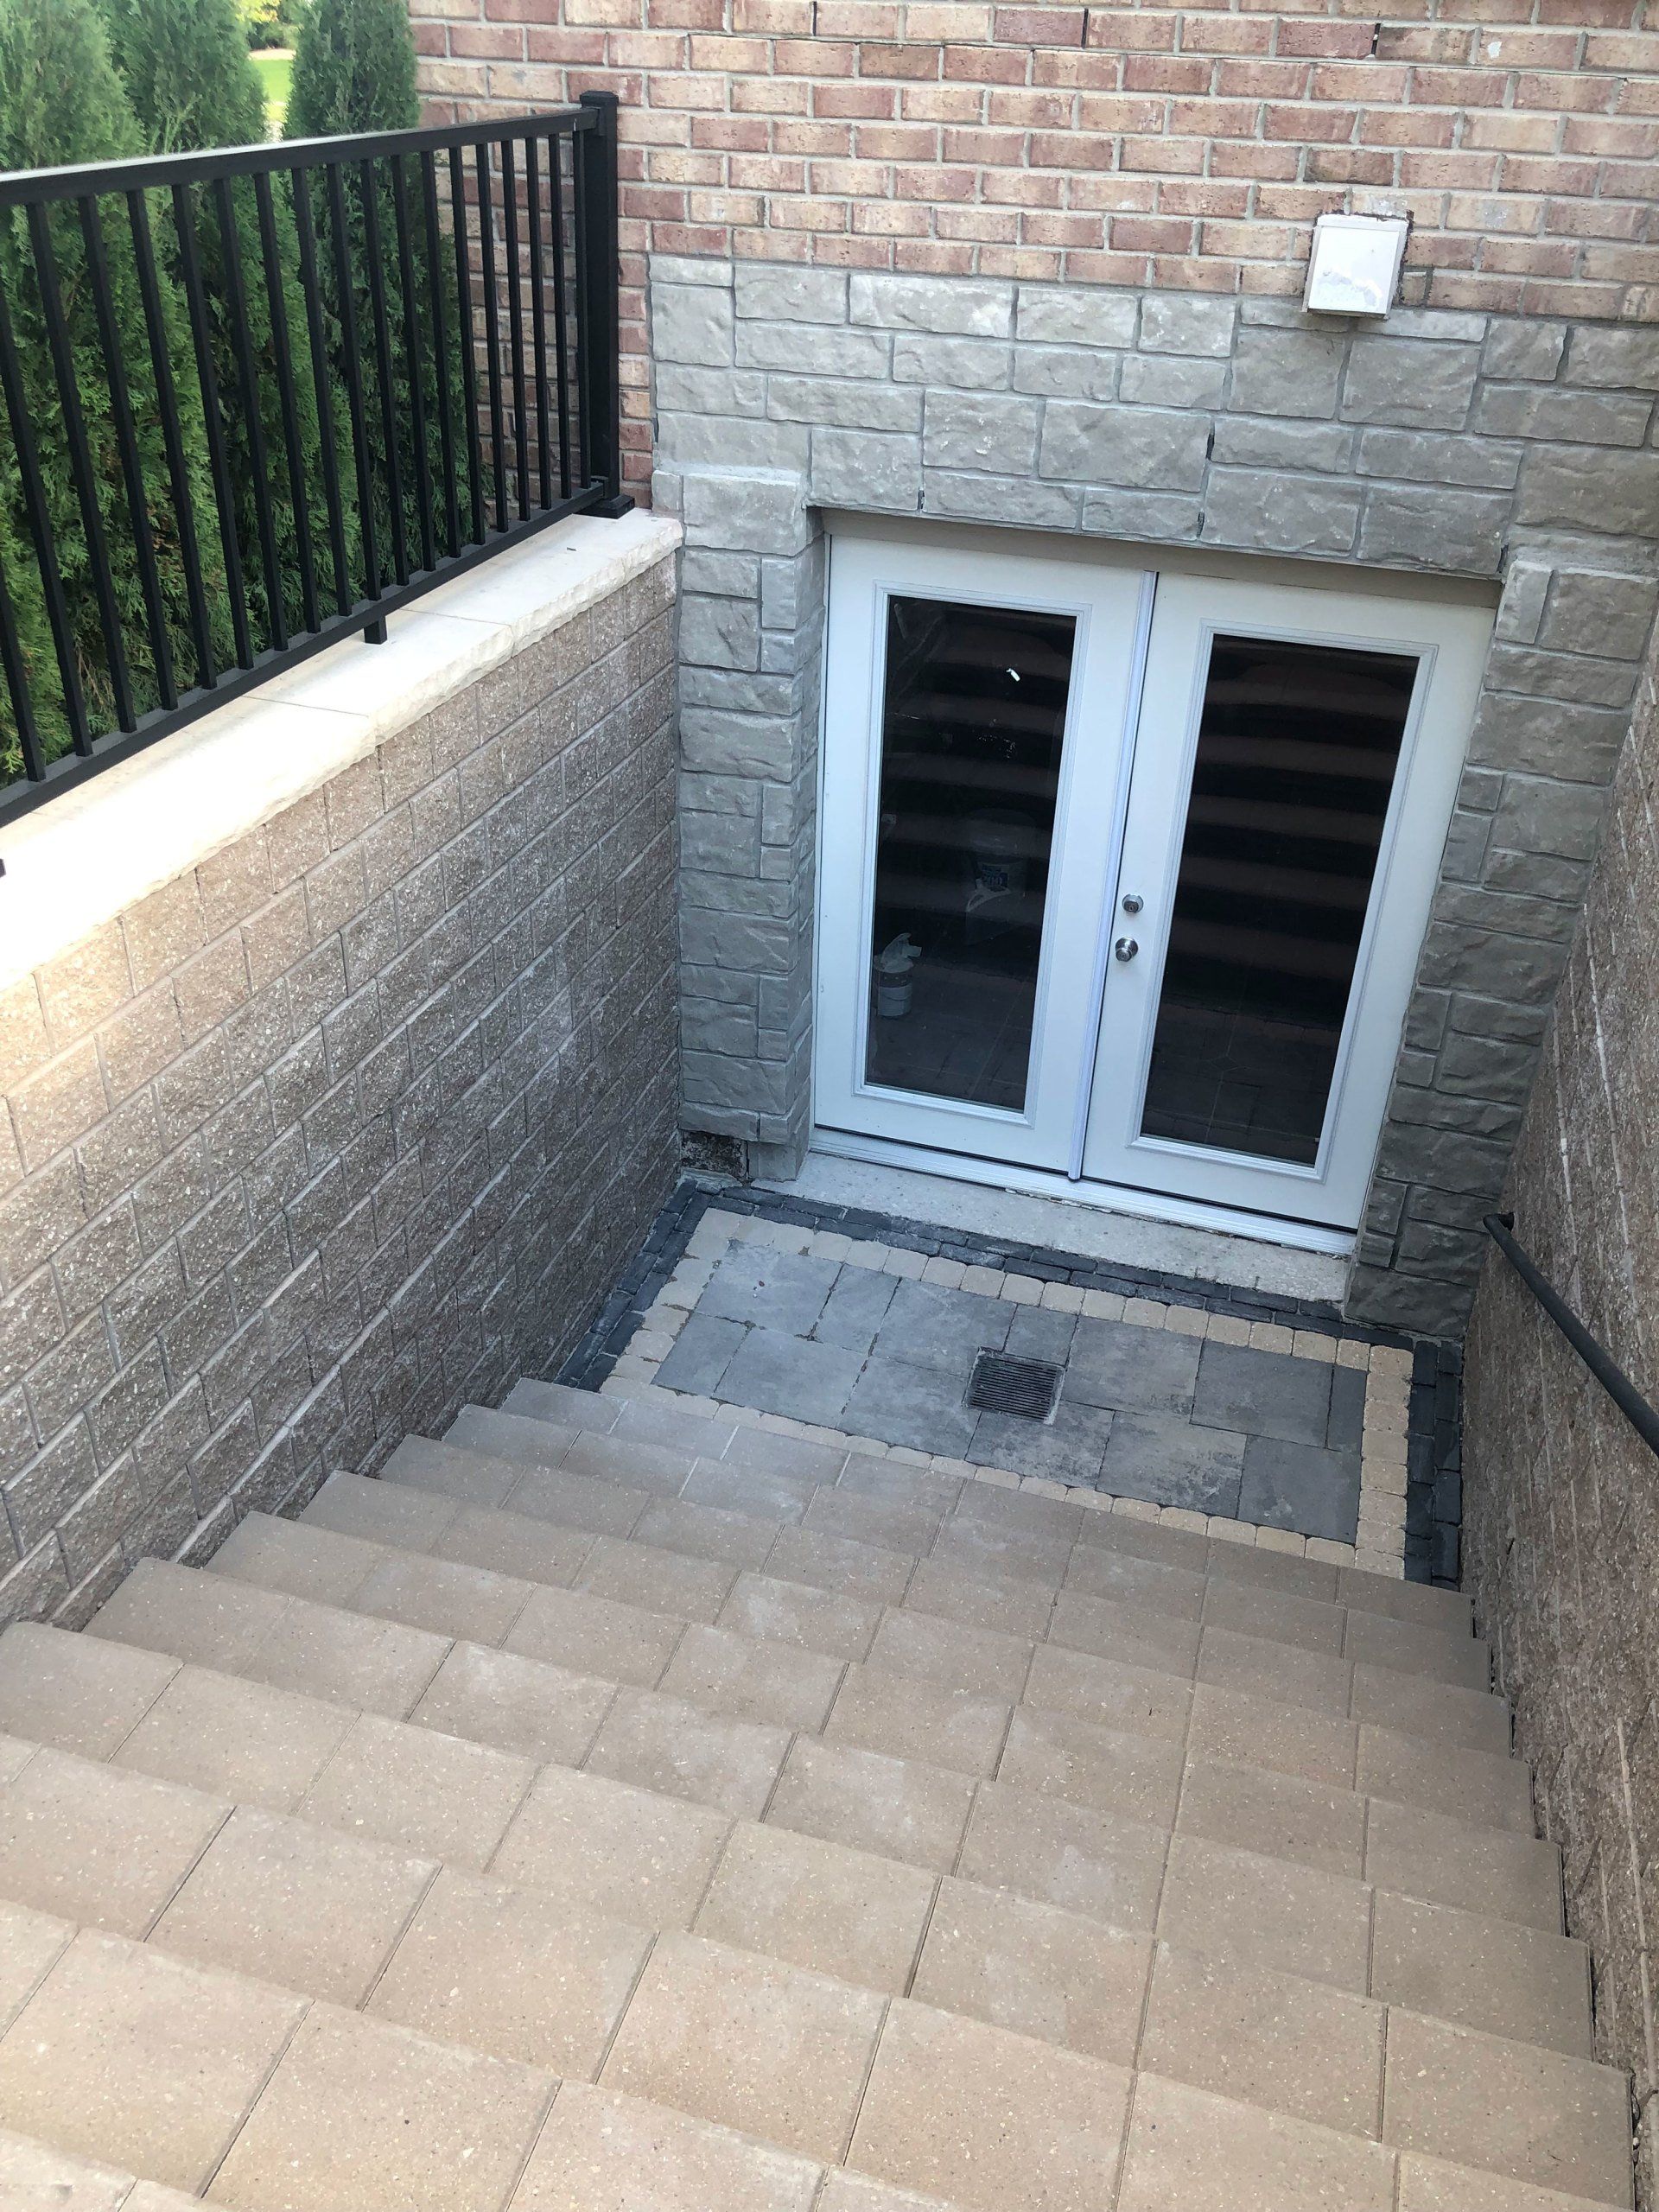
75	863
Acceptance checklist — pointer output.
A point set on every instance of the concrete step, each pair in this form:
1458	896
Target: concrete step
36	2177
1085	1728
1320	1655
658	1418
722	2034
1308	1714
1295	1902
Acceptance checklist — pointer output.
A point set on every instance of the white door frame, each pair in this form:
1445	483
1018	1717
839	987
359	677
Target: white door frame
1106	605
1079	1137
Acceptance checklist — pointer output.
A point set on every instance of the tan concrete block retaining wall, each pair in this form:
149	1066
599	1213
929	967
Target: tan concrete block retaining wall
348	1124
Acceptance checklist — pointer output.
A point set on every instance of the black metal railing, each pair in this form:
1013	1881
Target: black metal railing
1614	1381
260	397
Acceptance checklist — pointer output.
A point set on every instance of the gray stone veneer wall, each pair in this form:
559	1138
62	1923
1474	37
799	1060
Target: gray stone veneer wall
350	1124
1514	451
1559	1500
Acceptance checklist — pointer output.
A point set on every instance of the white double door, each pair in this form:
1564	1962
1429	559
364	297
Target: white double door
1124	874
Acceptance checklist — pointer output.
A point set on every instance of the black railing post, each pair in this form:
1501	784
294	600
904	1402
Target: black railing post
598	317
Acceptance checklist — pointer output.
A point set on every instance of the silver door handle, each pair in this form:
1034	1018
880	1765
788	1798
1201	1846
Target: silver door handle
1126	948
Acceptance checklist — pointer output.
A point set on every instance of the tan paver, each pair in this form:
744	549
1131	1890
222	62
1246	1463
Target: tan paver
1238	1904
1248	1731
74	1691
1474	1786
927	1647
509	1971
775	1683
662	1743
839	1564
1012	1608
235	1739
1191	2152
704	1531
1509	2107
442	1595
598	1846
515	1543
819	1905
744	2042
1034	1969
1427	1854
788	1612
305	1559
892	1807
1071	1855
1061	1753
1138	1700
383	1513
435	1795
527	1706
96	1845
632	1462
380	1666
1318	1680
303	1907
668	1582
1432	2185
878	1711
598	2148
202	1618
595	1636
1482	1973
1277	1614
1279	1813
576	1502
1271	2039
95	2061
990	2121
867	1520
29	1942
362	2114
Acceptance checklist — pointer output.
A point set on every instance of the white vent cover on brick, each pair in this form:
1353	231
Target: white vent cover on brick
1355	264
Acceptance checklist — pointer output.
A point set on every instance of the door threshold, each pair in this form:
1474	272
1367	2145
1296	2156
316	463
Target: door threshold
1153	1206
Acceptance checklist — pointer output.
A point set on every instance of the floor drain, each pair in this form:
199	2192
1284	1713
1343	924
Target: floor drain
1030	1388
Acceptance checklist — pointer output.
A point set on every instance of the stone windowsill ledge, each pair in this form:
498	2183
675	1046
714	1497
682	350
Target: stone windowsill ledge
75	863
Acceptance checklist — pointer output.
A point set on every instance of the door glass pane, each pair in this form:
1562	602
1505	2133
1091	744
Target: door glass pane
972	725
1297	750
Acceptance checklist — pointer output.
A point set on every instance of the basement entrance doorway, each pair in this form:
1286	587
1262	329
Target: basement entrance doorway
1125	872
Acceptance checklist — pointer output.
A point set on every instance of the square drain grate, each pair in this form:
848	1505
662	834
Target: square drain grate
1029	1389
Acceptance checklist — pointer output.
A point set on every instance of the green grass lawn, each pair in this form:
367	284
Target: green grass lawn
276	74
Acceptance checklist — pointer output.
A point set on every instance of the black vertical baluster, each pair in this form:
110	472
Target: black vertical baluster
561	307
468	337
276	307
515	322
22	707
491	337
322	377
538	317
354	384
80	463
440	349
602	394
253	428
580	195
184	217
126	438
417	371
143	254
39	529
374	256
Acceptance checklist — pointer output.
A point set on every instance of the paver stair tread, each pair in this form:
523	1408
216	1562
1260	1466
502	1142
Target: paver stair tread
245	1738
1109	1602
719	2033
43	2179
655	1419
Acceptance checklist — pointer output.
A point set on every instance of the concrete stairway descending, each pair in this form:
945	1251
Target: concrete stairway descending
614	1809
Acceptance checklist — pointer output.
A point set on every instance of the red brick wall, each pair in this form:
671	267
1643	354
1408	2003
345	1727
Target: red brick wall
1162	145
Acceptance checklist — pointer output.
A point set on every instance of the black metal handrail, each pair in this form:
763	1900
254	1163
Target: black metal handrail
1606	1370
261	396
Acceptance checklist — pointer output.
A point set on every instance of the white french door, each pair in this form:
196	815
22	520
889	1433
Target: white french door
1124	876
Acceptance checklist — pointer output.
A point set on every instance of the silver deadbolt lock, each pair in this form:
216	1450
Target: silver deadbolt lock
1126	948
1132	902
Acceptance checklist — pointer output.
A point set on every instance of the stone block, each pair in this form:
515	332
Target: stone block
1522	349
1547	737
1410	381
962	364
844	402
1187	322
1249	441
720	633
1539	815
1424	527
1578	677
727	575
1526	588
692	324
1065	372
1584	489
707	440
956	306
1428	457
866	468
1605	355
1008	499
775	291
1600	611
801	349
746	511
1172	380
722	844
983	431
1075	315
1159	517
709	391
1279	372
1140	448
1260	513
